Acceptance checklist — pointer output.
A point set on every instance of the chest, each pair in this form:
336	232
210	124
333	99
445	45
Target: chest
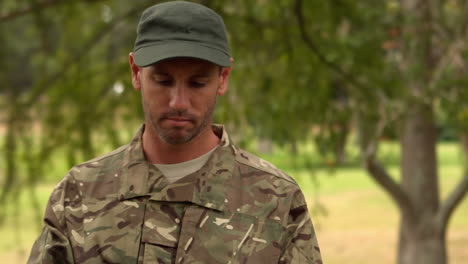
146	231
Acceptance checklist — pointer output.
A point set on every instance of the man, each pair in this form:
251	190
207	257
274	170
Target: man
180	191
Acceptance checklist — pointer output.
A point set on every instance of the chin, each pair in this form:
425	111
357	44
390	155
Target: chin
176	136
176	140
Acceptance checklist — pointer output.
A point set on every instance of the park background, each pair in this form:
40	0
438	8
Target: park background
364	103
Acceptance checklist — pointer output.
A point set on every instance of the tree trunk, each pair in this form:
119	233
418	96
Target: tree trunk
422	244
422	238
422	235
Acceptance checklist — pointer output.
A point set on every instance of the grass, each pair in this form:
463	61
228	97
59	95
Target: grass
360	222
21	227
356	222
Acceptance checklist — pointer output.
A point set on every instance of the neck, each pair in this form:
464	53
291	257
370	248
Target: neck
161	152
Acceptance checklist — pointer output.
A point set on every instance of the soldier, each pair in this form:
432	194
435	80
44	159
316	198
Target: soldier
180	191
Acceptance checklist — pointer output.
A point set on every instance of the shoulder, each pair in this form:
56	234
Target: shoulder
110	161
105	159
248	159
262	188
81	178
85	176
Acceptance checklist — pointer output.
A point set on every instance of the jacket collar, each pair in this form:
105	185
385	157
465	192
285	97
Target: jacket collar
204	187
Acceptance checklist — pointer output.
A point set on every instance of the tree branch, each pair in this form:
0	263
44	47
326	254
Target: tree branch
442	29
29	9
33	8
464	23
314	48
454	199
76	58
451	56
382	177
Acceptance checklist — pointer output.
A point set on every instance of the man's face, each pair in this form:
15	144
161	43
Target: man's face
179	96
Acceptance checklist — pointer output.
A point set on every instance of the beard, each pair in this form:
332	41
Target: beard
178	135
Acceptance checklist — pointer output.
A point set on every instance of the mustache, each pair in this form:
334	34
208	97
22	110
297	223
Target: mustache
178	114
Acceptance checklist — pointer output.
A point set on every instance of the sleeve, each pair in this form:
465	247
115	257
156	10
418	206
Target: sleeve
53	245
302	246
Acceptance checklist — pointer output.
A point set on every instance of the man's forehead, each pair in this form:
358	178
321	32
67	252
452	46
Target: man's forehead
192	65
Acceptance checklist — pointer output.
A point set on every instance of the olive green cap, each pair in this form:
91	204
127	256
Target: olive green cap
181	29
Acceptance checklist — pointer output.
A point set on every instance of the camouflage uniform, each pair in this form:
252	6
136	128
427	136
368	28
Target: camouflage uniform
119	208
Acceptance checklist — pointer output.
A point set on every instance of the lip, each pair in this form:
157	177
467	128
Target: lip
178	118
175	121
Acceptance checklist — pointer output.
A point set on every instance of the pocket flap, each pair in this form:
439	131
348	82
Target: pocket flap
160	234
162	223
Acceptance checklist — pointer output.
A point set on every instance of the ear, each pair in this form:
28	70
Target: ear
136	72
224	79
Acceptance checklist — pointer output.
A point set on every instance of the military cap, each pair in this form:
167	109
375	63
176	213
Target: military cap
181	29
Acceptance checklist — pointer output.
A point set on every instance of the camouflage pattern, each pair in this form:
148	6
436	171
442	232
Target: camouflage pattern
119	208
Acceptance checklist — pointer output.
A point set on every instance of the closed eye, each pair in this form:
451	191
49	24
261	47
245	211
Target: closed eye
164	82
196	84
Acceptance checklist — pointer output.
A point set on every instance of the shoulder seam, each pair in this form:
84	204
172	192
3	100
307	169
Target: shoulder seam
267	171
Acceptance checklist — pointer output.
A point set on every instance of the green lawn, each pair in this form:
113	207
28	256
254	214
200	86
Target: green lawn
359	224
356	221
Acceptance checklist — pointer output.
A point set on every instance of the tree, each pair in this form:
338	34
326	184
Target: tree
424	217
59	65
400	62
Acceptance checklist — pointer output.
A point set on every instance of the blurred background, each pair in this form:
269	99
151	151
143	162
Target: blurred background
364	103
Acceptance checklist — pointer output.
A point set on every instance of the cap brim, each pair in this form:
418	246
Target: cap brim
148	55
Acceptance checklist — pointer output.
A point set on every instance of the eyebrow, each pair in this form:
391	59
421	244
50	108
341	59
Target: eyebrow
196	75
159	72
201	75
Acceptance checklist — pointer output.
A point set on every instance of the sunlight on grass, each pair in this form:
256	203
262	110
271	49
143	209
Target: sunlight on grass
360	222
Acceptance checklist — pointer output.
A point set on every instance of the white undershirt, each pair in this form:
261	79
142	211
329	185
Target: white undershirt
174	172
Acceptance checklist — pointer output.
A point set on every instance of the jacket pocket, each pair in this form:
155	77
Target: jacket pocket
161	230
158	254
233	238
112	231
159	248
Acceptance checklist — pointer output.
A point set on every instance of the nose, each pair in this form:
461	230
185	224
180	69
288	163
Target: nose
179	99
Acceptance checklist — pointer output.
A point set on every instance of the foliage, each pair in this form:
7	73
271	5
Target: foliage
304	71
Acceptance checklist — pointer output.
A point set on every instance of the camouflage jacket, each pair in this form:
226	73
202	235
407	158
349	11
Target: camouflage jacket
119	208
